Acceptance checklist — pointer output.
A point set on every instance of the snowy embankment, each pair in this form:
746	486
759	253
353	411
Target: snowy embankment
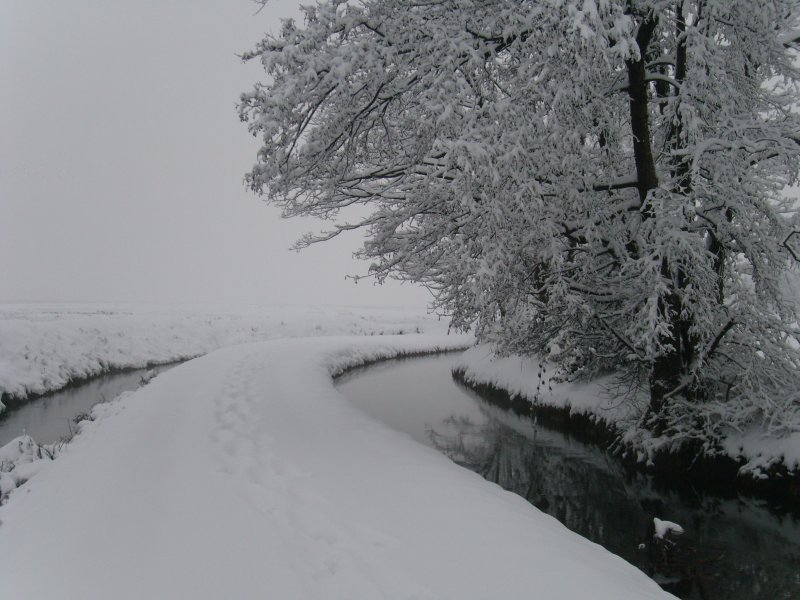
531	379
245	474
45	347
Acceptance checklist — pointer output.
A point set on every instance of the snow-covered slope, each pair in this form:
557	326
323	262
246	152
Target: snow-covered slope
44	347
520	376
531	378
245	474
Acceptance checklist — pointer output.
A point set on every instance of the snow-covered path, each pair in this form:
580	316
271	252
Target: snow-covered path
245	474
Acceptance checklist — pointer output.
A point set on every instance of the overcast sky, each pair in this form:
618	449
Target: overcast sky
122	159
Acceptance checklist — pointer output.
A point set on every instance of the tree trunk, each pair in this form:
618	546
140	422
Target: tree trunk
672	363
667	368
646	176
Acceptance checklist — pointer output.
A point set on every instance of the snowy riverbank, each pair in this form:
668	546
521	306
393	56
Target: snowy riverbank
245	474
752	452
44	347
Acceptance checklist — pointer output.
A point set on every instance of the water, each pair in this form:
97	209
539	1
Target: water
50	418
733	548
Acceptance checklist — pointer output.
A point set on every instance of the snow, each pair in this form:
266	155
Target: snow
762	452
44	347
665	527
519	375
245	474
21	459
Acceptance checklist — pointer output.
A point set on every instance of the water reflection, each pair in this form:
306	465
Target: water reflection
733	547
50	418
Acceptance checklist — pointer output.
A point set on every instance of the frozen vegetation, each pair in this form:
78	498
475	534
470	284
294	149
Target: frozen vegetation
600	183
45	347
245	474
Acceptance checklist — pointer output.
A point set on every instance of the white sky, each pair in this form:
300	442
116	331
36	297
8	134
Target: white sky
122	160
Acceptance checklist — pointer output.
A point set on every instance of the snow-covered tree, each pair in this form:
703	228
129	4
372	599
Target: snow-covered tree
597	181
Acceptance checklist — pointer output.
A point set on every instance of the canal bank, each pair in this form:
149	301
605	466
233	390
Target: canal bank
734	545
742	462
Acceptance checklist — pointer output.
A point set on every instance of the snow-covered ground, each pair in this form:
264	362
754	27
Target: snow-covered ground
245	474
521	376
44	347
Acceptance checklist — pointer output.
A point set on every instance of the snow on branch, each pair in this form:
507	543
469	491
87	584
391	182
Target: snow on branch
484	157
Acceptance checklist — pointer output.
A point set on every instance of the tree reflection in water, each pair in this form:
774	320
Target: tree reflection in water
732	548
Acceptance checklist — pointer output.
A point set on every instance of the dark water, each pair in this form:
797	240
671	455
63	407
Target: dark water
50	418
733	548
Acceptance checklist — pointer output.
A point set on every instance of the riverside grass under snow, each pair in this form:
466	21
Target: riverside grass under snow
524	377
45	347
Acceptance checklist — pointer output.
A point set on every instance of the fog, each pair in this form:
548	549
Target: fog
122	161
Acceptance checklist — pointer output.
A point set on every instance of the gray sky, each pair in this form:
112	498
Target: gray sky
122	159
